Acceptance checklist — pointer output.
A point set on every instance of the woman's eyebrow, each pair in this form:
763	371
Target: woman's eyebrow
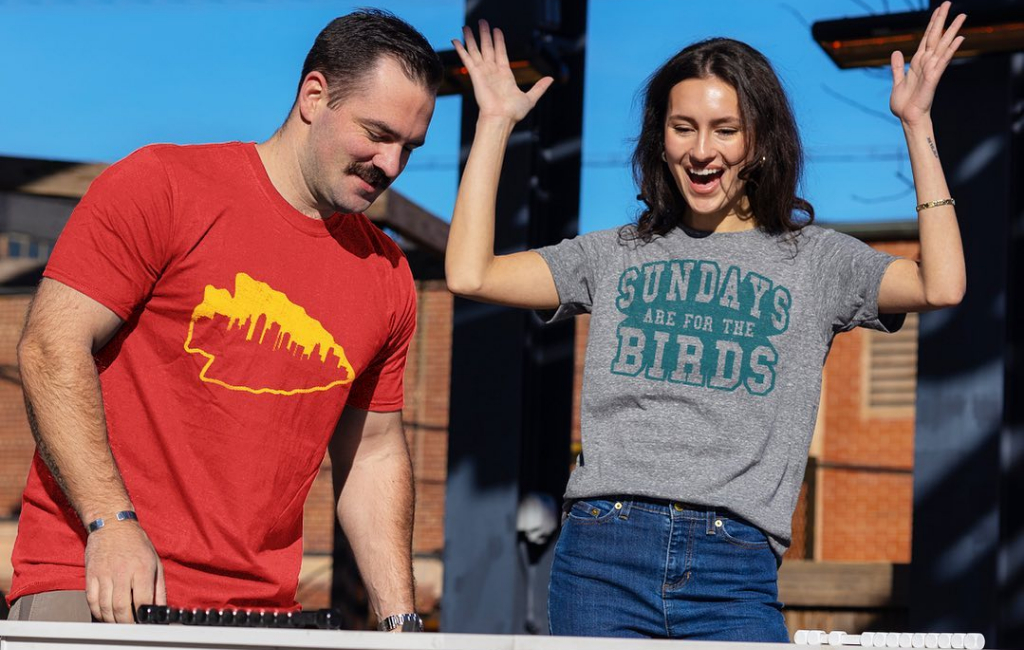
716	121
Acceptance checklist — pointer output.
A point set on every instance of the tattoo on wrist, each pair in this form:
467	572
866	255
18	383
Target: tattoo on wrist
931	144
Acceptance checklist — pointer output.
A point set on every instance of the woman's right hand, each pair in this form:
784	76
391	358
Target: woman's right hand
495	88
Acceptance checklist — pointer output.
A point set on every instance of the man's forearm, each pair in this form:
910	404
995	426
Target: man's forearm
65	412
375	510
65	409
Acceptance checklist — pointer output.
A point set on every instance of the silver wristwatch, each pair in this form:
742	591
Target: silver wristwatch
405	622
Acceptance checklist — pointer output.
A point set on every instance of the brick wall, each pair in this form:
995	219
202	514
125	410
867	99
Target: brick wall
426	413
865	479
426	428
16	444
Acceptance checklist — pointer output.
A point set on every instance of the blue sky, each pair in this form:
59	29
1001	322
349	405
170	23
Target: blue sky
93	80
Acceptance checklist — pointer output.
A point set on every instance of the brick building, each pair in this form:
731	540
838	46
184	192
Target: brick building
859	474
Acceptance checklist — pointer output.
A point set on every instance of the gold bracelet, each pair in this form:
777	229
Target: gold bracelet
935	204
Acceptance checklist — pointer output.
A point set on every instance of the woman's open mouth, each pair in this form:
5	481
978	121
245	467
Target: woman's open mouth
704	181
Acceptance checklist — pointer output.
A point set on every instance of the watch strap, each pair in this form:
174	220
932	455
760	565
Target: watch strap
406	622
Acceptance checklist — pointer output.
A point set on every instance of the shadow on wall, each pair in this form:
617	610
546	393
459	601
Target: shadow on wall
966	521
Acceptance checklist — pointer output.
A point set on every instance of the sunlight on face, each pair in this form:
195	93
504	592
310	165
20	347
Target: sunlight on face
357	148
705	148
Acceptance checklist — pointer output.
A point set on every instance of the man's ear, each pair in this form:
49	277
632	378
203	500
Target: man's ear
312	95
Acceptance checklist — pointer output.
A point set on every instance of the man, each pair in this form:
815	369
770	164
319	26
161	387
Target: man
205	317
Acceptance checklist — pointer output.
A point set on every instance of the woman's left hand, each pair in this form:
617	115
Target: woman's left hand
913	90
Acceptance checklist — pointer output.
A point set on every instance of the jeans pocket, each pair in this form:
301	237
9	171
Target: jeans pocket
740	533
595	511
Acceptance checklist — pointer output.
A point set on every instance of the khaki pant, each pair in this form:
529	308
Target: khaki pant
62	606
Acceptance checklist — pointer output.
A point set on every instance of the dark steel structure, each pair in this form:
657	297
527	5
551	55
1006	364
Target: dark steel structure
967	569
511	387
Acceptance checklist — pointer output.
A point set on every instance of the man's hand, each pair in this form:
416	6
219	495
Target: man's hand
122	572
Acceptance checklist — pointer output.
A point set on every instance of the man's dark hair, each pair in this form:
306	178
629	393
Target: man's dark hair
776	161
349	48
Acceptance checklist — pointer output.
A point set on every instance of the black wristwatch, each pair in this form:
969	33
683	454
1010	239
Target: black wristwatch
405	622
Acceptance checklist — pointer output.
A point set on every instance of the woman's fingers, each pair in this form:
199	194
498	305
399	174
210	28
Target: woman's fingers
957	42
489	48
951	33
938	44
938	59
461	51
470	41
923	43
896	63
935	26
486	59
486	46
947	56
539	89
500	53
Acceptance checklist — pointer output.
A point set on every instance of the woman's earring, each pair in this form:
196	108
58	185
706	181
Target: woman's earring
764	159
663	158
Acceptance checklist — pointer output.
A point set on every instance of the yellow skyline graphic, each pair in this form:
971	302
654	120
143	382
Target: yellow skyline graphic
256	310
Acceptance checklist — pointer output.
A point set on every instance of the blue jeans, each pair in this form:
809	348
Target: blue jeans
632	567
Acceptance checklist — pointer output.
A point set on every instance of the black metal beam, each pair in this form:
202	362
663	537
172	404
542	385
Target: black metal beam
967	563
511	388
993	26
967	560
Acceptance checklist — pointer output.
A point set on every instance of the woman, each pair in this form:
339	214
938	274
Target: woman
711	319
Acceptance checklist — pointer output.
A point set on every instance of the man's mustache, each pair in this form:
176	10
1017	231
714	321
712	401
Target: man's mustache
371	174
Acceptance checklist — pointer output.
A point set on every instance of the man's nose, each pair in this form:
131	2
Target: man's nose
389	160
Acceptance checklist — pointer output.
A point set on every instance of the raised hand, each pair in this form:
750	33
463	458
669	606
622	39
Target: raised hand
914	89
122	572
494	86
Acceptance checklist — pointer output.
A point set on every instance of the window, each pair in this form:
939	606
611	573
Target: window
890	386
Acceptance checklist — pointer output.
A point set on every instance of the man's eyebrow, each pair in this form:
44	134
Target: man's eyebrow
383	127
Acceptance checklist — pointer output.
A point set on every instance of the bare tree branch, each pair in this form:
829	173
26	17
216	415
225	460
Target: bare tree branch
861	107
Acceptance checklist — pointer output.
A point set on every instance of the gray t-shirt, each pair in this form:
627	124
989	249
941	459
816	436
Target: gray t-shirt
704	359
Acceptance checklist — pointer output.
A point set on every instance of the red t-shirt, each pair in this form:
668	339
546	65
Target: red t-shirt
248	327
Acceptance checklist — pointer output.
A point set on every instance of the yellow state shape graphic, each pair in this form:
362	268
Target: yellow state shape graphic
259	341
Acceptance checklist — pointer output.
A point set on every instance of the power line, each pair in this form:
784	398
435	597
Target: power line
867	110
833	154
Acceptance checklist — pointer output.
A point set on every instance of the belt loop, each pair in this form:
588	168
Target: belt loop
711	521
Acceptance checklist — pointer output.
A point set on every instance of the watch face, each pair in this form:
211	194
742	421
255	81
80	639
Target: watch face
412	624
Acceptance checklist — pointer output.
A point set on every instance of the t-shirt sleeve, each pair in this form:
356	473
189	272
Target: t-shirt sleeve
116	242
380	387
573	264
850	274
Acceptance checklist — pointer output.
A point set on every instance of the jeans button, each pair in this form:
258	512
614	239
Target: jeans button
618	505
678	507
